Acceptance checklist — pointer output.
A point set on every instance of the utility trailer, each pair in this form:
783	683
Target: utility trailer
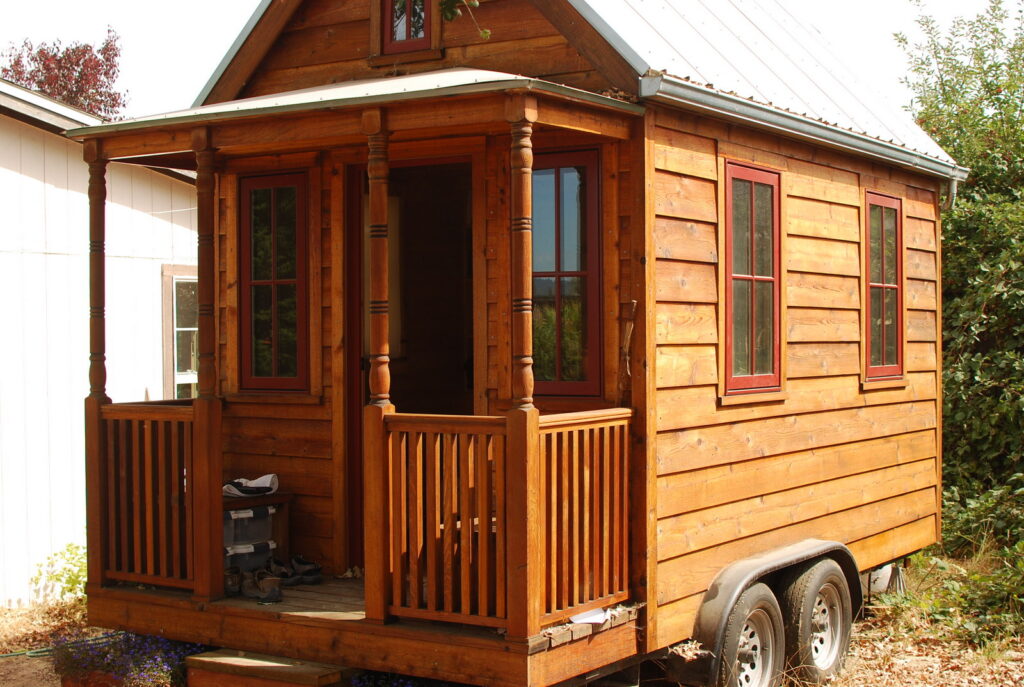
575	318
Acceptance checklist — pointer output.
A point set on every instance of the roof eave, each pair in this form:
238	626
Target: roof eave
679	93
232	52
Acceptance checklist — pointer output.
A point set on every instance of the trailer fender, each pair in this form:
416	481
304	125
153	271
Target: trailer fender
721	596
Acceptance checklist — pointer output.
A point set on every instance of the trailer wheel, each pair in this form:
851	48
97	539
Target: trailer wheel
818	620
752	651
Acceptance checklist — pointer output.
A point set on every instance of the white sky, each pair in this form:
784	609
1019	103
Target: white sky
169	50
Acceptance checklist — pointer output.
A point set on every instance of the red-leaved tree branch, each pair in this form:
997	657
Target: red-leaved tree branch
79	75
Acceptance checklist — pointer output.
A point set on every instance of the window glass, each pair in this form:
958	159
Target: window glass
186	333
884	327
544	220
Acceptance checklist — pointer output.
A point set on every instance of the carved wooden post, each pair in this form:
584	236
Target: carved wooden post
524	551
377	536
207	534
95	466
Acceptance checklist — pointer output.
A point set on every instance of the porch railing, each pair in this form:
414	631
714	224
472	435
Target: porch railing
449	539
145	499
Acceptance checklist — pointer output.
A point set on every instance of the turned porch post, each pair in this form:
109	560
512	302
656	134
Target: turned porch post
525	559
207	468
375	458
95	467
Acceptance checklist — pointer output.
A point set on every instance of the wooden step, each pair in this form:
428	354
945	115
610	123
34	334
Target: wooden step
230	668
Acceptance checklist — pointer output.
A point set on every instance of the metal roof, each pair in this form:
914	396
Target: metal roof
757	51
444	82
41	110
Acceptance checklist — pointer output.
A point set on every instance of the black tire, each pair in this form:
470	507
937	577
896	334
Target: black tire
754	643
818	620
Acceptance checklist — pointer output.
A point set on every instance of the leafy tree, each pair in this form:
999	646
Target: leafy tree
968	84
80	75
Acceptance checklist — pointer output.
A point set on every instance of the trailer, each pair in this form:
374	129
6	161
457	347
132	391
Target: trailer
625	314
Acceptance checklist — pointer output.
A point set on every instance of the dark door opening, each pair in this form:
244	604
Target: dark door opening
430	243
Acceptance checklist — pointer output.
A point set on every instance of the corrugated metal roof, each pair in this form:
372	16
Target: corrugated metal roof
756	50
457	81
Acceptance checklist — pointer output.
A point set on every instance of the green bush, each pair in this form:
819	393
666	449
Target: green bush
63	574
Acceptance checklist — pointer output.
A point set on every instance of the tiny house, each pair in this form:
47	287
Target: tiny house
628	308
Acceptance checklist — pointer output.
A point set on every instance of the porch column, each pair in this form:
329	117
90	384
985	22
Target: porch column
376	536
525	556
95	467
207	468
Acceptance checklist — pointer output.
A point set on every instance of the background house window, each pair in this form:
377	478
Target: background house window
566	280
180	331
272	283
885	295
752	285
406	25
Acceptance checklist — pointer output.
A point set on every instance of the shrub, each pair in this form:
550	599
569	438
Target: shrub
63	574
138	660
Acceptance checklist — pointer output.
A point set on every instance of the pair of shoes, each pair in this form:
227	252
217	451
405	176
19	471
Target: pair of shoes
308	571
262	586
287	574
232	581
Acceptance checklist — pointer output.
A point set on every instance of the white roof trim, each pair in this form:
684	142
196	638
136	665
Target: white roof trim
43	110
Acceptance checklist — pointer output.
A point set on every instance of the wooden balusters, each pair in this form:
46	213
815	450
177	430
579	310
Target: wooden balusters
208	546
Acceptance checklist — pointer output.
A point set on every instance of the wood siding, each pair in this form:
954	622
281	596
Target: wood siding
328	42
829	459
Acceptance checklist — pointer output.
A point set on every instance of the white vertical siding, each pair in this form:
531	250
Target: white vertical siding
44	328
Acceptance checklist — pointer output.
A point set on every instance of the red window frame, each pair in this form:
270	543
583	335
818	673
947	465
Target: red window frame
391	45
591	386
249	380
752	383
896	369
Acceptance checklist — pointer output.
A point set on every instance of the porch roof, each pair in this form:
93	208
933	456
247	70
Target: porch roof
446	82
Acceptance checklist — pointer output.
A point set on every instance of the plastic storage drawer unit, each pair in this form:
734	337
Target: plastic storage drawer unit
248	525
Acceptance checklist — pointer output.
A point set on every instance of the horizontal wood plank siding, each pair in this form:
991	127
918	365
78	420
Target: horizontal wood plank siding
829	460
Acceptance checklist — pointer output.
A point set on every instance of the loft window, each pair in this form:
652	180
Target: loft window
272	283
406	25
885	293
752	297
566	275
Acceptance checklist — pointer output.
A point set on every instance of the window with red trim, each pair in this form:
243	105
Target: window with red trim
885	293
406	25
752	291
566	274
272	283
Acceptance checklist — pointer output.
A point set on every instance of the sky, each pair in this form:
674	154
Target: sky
169	50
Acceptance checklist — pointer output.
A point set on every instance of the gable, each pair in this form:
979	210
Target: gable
295	44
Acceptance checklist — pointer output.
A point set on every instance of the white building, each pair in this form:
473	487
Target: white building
44	313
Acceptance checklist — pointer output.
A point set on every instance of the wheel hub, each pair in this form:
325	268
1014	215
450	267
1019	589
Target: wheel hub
754	653
825	627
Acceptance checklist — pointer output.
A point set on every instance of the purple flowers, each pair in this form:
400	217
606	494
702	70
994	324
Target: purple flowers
136	659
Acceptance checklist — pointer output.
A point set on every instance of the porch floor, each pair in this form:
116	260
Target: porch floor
334	599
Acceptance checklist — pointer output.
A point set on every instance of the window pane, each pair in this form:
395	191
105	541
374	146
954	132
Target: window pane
891	322
417	28
186	356
889	224
186	305
545	329
741	327
876	244
261	234
284	232
544	220
764	250
287	332
574	337
573	255
185	390
398	23
262	331
741	233
764	328
876	325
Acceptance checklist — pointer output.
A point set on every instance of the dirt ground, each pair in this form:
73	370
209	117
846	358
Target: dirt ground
883	654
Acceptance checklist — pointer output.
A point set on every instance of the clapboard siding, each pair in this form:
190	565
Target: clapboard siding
325	43
43	266
827	459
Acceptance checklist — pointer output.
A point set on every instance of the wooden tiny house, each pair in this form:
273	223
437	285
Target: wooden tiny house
527	327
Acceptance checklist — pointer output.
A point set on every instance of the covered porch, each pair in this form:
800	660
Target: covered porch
509	520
